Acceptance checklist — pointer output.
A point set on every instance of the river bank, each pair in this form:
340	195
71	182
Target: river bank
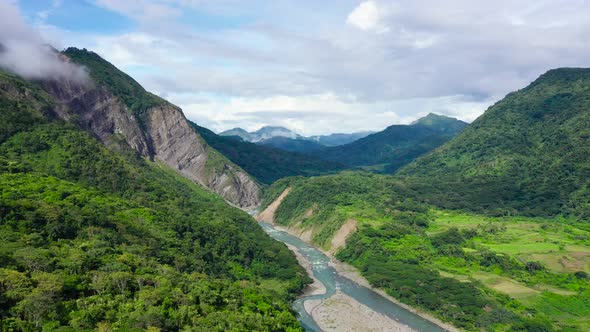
341	312
340	308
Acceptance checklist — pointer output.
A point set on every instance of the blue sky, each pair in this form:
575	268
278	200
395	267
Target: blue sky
322	66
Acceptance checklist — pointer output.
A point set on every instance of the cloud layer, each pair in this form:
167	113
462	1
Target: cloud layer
355	64
24	52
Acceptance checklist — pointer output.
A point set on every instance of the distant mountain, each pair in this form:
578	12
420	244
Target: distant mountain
292	144
238	133
261	134
264	134
442	123
265	163
528	153
339	138
397	145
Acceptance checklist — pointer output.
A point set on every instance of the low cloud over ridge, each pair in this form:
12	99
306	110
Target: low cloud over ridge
23	52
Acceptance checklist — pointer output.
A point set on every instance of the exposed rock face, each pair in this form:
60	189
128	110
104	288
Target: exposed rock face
99	112
160	133
177	144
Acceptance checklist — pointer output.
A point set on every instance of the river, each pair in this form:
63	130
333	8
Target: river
334	281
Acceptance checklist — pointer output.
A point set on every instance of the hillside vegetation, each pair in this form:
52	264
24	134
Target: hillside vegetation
122	85
96	238
397	145
490	230
528	154
292	144
477	272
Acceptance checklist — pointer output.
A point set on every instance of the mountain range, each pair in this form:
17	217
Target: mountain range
493	222
266	163
397	145
384	151
117	211
266	134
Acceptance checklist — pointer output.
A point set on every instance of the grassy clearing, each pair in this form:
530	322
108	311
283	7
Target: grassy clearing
506	286
561	245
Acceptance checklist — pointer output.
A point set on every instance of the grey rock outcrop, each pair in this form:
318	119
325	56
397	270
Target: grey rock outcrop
160	133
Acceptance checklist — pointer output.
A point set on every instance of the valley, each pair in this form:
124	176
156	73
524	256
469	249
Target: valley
342	304
514	267
120	211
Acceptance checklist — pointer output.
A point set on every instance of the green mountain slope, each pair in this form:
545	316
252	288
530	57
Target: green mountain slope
339	138
266	164
510	264
292	144
528	154
395	146
100	238
441	123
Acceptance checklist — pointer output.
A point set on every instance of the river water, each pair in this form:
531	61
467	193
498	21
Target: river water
333	281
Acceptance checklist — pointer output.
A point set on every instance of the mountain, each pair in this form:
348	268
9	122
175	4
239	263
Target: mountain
442	123
494	221
116	107
237	133
527	154
339	138
99	232
261	134
266	136
292	144
266	164
397	145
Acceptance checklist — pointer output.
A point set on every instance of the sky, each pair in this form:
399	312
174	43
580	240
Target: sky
320	67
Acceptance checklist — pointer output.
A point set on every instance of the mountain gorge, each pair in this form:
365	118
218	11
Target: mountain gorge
114	210
494	221
101	232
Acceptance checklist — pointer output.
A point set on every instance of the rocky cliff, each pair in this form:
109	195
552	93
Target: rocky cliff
159	132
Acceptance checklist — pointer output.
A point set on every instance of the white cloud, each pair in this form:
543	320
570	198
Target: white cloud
371	57
143	10
25	53
367	17
317	114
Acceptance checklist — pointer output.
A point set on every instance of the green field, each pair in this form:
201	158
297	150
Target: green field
562	247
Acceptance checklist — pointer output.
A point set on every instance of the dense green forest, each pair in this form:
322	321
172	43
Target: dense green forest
265	163
97	238
477	272
292	144
528	154
397	145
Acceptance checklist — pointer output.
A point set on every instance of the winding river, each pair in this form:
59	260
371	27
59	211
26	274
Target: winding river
333	281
